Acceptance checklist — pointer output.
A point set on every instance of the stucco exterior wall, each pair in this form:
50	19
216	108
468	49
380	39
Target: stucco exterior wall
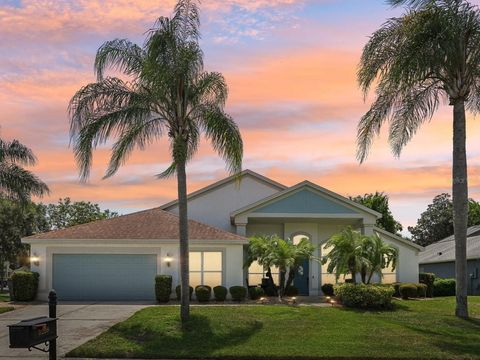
232	259
214	207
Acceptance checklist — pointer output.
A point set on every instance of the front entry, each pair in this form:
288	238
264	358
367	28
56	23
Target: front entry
301	279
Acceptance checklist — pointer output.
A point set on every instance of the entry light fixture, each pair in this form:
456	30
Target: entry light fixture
35	260
168	259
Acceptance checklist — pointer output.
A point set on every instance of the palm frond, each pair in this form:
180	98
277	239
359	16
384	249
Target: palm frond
119	54
16	152
19	183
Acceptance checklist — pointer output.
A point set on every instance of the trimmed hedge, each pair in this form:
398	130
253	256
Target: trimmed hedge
203	293
327	289
163	288
179	294
396	288
408	291
421	290
220	293
444	287
238	293
364	296
255	293
25	285
291	291
427	279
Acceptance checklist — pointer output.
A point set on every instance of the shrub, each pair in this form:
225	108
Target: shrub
238	293
291	290
408	291
179	294
396	288
256	293
444	287
25	285
220	293
327	289
163	288
427	279
203	293
421	290
364	296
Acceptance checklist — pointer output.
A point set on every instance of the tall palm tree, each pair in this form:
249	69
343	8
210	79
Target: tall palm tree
429	55
15	181
347	255
168	94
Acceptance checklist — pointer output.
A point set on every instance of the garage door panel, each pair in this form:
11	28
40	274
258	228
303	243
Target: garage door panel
104	277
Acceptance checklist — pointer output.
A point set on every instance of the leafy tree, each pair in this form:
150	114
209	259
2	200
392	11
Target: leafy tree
416	61
379	203
67	213
15	181
353	253
272	251
16	221
436	223
168	94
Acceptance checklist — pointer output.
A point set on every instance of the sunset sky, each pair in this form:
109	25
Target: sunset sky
291	70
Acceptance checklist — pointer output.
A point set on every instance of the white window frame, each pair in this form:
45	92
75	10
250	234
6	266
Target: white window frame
202	271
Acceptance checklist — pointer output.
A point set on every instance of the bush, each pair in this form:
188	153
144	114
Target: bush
220	293
203	293
364	296
396	288
163	288
427	279
444	287
291	291
408	291
25	285
238	293
327	289
255	293
421	290
178	293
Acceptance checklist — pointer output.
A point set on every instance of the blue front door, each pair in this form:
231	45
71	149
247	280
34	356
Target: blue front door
301	279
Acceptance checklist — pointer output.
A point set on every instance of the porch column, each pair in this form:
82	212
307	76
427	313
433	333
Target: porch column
367	229
241	229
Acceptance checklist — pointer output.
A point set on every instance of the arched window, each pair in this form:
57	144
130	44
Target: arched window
298	236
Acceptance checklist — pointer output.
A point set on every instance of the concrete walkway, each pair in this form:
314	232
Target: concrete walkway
77	324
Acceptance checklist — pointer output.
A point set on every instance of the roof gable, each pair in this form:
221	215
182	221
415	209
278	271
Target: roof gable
307	197
152	224
305	201
227	180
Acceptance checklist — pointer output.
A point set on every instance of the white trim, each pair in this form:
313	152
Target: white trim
305	215
398	238
132	242
226	181
307	184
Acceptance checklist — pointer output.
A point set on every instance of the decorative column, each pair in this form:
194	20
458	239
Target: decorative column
367	229
241	229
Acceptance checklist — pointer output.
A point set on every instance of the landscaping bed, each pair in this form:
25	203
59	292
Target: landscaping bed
412	330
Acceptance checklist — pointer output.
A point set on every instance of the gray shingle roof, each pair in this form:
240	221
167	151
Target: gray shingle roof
444	250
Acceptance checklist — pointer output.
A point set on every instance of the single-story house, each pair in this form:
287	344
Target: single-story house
439	258
117	259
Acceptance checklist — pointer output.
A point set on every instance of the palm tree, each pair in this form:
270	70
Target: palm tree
168	94
380	256
429	55
15	181
347	255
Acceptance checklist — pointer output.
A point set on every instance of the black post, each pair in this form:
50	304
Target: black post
52	313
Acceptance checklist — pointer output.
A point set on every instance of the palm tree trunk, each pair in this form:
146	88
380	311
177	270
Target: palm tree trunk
183	229
460	206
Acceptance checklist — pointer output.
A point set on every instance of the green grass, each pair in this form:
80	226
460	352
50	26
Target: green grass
4	309
415	329
4	297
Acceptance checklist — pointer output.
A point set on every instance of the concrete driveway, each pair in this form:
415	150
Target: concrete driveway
77	324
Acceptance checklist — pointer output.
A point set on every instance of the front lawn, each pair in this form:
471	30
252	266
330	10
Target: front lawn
416	329
4	297
4	309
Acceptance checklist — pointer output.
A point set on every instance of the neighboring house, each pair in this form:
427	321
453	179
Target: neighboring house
439	258
117	259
